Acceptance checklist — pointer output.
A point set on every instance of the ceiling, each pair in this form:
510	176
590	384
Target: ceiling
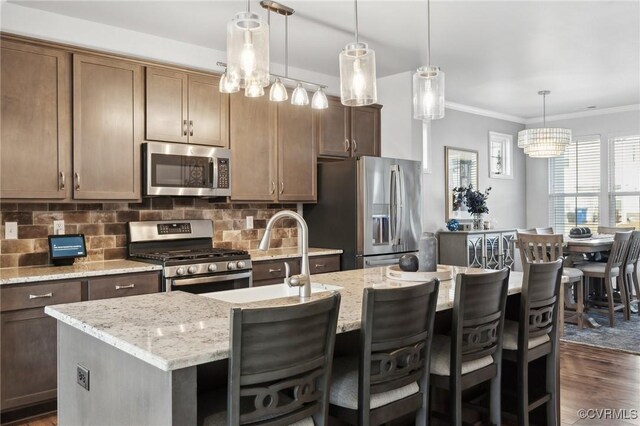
496	54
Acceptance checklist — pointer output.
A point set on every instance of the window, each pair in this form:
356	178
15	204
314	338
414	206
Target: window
624	181
574	185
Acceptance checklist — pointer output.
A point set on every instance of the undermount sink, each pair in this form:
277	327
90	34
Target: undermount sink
267	292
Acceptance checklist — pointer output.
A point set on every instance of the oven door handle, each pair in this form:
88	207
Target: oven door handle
210	279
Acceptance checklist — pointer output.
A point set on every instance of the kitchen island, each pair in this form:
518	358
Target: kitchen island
142	353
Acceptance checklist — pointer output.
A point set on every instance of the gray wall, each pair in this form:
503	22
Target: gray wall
537	187
402	138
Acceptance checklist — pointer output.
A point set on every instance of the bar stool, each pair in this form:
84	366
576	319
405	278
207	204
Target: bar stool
390	377
535	335
630	275
473	353
610	271
545	246
279	365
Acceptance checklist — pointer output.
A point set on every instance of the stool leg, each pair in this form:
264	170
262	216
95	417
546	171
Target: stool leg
523	393
622	283
609	289
579	295
494	404
561	310
551	387
636	284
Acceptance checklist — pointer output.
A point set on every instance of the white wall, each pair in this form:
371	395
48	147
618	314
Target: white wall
402	138
45	25
607	125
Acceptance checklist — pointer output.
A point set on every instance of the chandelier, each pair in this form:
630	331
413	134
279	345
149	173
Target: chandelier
544	142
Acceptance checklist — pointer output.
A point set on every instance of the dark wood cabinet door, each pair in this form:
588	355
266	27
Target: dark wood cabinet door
107	128
365	131
334	131
274	271
166	105
253	148
208	111
29	369
36	122
296	153
109	287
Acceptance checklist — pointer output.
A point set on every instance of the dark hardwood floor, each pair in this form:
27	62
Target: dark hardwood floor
590	379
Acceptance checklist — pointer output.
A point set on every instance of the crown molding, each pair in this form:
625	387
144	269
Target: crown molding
588	113
485	112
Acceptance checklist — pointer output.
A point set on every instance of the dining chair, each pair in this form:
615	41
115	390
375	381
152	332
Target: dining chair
548	247
535	335
608	272
472	353
279	365
630	266
544	231
611	230
390	376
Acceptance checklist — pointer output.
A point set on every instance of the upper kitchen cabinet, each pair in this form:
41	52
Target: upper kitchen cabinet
108	127
348	131
36	122
273	150
185	107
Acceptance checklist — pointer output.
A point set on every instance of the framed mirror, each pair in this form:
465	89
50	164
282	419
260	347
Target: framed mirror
461	169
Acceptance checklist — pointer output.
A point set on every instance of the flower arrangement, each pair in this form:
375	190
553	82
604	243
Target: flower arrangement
475	201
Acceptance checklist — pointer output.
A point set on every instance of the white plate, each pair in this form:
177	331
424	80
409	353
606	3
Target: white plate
444	272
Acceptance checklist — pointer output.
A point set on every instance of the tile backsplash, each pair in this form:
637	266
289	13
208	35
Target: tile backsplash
105	225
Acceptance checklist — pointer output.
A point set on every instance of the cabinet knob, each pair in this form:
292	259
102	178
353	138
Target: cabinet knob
190	127
281	187
346	145
184	127
77	181
273	188
122	287
62	180
40	296
355	145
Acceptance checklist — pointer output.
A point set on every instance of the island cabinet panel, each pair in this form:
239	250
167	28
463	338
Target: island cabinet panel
108	109
296	153
123	285
186	107
274	271
36	122
323	264
253	148
348	131
28	336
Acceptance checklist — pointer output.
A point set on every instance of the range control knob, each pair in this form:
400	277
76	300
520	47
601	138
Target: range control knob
180	270
213	267
231	266
240	264
192	269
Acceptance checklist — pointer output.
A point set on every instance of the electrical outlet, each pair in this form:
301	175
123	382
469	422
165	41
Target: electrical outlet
82	376
58	227
249	222
11	230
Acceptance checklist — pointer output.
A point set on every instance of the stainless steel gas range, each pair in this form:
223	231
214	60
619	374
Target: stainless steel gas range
185	250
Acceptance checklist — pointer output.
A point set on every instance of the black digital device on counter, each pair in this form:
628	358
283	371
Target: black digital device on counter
63	249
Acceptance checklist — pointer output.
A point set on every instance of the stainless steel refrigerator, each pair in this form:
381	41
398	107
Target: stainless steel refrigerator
369	207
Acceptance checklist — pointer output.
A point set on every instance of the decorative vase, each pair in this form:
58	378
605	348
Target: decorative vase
428	253
477	222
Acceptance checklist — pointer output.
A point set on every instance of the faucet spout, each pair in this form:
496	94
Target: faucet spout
303	280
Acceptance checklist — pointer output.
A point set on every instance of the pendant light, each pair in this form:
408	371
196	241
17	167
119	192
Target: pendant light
278	92
248	50
357	72
544	142
227	84
428	85
299	96
319	100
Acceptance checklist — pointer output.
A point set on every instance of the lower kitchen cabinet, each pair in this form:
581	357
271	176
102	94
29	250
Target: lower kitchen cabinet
28	336
490	249
274	271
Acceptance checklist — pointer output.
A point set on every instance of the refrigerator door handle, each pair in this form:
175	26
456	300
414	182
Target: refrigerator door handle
400	206
395	204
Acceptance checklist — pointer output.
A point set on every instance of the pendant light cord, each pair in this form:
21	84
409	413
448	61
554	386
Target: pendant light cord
544	110
355	6
248	5
428	33
286	46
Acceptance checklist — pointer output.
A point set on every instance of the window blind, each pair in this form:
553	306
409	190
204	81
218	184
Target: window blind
574	185
624	181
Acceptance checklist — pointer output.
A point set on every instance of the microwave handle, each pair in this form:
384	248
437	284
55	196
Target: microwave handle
213	173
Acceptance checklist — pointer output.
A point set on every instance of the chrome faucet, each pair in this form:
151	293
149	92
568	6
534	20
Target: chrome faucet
303	280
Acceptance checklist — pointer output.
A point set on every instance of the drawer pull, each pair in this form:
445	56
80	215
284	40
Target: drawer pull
40	296
321	265
275	270
122	287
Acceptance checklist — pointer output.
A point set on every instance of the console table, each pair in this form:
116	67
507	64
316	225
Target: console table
488	249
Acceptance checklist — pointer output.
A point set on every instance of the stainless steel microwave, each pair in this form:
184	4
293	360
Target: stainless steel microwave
187	170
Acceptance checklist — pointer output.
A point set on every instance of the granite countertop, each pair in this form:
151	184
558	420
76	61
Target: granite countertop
78	270
284	253
177	330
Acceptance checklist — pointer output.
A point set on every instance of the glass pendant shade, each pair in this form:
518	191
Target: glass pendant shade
248	49
227	85
278	92
358	75
253	90
428	93
545	142
319	100
299	96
